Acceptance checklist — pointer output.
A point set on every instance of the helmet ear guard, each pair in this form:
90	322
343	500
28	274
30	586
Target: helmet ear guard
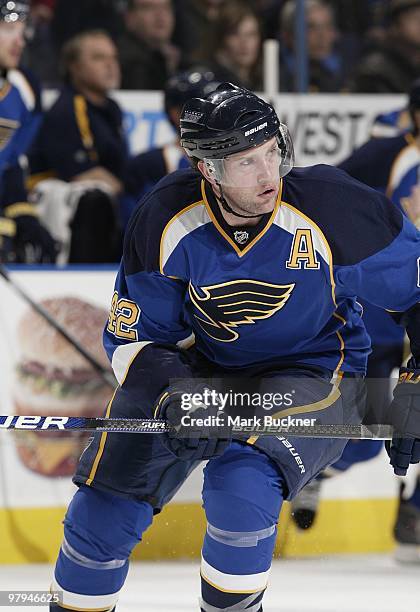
211	169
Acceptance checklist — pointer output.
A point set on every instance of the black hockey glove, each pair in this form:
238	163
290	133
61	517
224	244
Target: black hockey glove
405	418
192	438
32	243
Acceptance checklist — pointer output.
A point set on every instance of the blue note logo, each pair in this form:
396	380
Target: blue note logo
220	309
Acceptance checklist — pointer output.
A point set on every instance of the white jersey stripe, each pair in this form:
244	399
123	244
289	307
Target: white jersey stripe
234	583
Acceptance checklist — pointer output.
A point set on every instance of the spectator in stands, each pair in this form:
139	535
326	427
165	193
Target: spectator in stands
328	62
234	51
146	169
393	67
147	54
81	143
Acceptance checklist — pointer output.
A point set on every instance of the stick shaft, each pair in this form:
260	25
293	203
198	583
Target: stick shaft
103	372
65	423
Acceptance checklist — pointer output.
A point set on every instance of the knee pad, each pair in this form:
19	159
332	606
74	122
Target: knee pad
252	482
242	495
100	531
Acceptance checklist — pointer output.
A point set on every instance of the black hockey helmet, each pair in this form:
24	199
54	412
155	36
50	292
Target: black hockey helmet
194	83
230	120
14	10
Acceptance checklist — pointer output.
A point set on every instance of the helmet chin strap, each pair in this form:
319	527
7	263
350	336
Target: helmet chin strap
230	210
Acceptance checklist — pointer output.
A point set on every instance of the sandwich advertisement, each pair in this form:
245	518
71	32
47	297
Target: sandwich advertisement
43	374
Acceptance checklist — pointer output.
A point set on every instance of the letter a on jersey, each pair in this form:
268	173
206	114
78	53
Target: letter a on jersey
302	253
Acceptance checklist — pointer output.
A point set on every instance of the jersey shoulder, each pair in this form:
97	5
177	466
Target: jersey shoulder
355	220
381	146
27	87
168	199
372	162
391	124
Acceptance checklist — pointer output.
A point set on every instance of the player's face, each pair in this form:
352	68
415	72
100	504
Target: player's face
251	180
12	44
98	67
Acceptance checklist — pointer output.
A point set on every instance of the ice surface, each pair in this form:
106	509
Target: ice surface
334	584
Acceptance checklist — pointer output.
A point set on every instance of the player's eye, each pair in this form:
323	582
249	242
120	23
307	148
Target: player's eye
274	151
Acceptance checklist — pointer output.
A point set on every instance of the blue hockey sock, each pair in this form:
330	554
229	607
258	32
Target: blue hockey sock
242	494
100	531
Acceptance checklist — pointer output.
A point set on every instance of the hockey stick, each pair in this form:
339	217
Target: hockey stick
103	372
64	423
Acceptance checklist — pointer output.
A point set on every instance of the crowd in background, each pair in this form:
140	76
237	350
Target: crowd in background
81	183
353	45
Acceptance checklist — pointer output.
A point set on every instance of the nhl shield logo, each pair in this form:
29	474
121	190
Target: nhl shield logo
241	237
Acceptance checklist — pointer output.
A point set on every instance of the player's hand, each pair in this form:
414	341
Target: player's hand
405	418
33	243
189	439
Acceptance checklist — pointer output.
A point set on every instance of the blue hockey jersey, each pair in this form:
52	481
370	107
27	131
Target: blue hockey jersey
282	292
388	164
391	124
20	117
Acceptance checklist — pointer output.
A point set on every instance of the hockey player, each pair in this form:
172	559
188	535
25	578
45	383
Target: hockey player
260	265
22	237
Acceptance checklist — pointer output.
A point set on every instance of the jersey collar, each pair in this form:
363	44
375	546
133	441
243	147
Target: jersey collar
228	232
